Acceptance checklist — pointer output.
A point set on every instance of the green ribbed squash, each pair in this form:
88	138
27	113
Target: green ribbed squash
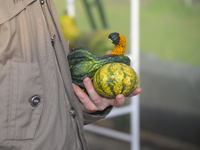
115	78
84	64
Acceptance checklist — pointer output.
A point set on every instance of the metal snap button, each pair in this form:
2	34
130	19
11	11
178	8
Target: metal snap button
35	101
42	2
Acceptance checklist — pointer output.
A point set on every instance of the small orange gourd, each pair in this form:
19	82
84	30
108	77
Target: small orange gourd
120	43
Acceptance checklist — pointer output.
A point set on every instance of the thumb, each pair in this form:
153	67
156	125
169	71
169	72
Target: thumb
108	52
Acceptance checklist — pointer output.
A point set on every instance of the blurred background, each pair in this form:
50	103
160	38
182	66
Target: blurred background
169	67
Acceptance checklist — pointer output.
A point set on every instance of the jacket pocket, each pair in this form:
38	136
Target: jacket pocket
24	111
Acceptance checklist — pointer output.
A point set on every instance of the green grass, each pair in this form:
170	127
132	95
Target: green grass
169	29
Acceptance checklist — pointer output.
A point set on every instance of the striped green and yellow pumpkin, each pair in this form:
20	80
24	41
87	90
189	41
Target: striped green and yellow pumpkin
115	78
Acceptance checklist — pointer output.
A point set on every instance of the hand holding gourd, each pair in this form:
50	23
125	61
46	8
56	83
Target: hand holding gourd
93	101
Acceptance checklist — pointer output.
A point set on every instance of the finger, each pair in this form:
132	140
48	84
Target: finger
108	52
91	91
119	101
135	92
79	93
83	97
100	102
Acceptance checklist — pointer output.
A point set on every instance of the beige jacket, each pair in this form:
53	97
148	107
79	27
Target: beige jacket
38	108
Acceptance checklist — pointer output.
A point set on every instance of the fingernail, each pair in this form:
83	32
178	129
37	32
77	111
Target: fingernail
74	85
86	81
120	98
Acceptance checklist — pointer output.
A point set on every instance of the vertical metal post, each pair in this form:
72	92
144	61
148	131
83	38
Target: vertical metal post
135	129
70	7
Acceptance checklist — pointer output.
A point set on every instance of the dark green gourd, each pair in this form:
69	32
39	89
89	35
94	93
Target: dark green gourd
84	64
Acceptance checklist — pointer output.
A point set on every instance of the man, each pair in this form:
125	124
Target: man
39	110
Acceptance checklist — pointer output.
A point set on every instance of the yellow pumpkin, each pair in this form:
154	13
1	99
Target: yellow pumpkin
115	78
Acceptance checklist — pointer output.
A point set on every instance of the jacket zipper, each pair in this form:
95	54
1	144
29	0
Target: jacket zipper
57	64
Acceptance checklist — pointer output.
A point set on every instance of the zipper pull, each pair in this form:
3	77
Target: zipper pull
53	40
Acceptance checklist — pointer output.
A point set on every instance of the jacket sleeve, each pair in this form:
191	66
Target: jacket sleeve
92	117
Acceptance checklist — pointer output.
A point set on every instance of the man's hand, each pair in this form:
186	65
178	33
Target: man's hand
94	102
